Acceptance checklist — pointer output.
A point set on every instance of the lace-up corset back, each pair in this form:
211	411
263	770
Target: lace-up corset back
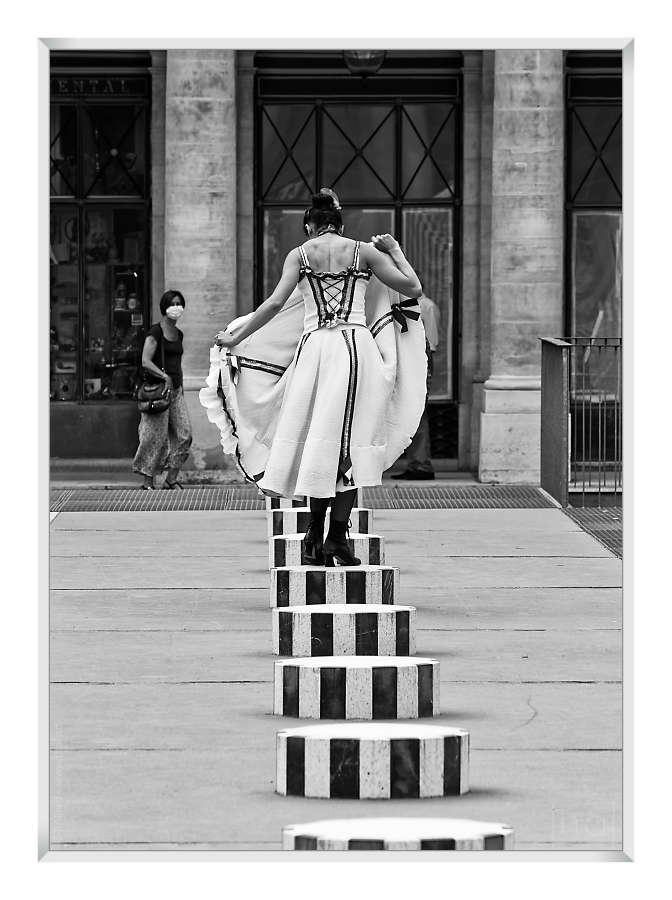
333	298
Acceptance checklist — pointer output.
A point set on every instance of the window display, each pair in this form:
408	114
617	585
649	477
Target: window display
98	246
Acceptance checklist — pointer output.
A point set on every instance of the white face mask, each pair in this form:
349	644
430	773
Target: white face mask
174	312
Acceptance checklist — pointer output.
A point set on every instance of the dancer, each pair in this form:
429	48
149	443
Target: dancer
352	392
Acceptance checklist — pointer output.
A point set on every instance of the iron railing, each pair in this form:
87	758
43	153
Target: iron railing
582	420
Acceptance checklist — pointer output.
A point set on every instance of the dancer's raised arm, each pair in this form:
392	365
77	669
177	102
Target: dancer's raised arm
270	307
388	263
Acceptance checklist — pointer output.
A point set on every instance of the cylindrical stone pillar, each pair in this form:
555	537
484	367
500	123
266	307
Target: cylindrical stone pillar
200	218
527	256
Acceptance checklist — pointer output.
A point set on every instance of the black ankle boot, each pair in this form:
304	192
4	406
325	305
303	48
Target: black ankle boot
313	540
336	546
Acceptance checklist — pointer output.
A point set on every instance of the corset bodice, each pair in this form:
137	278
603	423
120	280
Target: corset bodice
333	298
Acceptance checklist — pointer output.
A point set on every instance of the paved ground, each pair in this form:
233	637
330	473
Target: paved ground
161	730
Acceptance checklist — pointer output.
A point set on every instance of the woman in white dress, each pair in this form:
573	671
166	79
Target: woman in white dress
327	424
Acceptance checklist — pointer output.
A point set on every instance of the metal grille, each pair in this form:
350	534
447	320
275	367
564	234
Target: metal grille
605	525
247	497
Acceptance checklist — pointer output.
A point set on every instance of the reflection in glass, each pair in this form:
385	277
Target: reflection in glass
428	245
596	274
114	149
114	287
64	304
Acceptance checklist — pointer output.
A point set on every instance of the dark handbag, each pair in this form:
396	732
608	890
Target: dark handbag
154	396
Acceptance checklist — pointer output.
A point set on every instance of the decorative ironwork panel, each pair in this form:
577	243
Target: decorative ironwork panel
114	150
428	151
288	152
356	158
596	155
63	150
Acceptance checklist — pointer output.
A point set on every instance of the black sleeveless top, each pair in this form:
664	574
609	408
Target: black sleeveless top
172	353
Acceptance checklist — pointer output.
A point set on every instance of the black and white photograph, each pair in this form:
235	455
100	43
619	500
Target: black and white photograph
336	449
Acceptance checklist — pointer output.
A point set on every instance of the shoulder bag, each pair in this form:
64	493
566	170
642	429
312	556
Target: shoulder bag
154	396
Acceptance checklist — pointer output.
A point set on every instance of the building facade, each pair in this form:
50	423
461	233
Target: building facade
498	171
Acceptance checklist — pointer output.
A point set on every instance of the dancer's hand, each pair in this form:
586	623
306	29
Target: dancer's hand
225	339
384	242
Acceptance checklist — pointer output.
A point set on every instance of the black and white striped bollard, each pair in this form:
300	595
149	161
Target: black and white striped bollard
307	585
359	687
371	761
398	834
354	629
289	549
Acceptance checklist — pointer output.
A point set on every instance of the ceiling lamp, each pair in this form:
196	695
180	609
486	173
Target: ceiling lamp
363	62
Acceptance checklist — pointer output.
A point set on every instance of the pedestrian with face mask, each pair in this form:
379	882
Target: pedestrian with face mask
164	437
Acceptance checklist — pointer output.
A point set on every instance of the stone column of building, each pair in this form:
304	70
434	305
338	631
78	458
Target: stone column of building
200	218
526	257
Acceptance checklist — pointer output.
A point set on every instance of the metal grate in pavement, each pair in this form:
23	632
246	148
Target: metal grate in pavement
482	496
604	524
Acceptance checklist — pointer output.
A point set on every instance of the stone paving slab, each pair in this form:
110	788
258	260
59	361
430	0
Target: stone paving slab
449	608
513	635
245	655
236	543
556	716
206	795
425	571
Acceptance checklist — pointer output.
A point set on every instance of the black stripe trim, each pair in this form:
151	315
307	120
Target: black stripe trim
290	691
437	844
279	555
388	586
245	363
366	634
380	323
239	461
345	463
404	767
355	587
296	766
304	842
316	587
285	622
344	768
282	587
425	690
384	687
493	842
332	692
363	844
402	621
451	764
322	634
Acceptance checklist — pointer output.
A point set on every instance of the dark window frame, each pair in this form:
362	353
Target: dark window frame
82	67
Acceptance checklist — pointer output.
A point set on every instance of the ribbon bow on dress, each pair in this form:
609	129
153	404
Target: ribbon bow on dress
400	313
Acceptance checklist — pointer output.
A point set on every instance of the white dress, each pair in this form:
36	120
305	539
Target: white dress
325	396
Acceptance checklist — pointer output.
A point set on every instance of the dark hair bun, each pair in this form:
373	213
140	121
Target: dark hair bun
326	199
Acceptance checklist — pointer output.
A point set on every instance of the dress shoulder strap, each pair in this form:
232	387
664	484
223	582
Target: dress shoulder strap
355	258
304	258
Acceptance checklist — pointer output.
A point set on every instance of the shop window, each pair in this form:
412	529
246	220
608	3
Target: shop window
99	236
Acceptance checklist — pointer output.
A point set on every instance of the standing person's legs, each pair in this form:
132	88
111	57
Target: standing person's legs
419	451
152	449
314	537
179	435
341	505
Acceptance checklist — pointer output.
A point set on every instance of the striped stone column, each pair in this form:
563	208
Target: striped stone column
372	761
344	630
527	259
307	585
290	550
398	834
295	521
360	687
